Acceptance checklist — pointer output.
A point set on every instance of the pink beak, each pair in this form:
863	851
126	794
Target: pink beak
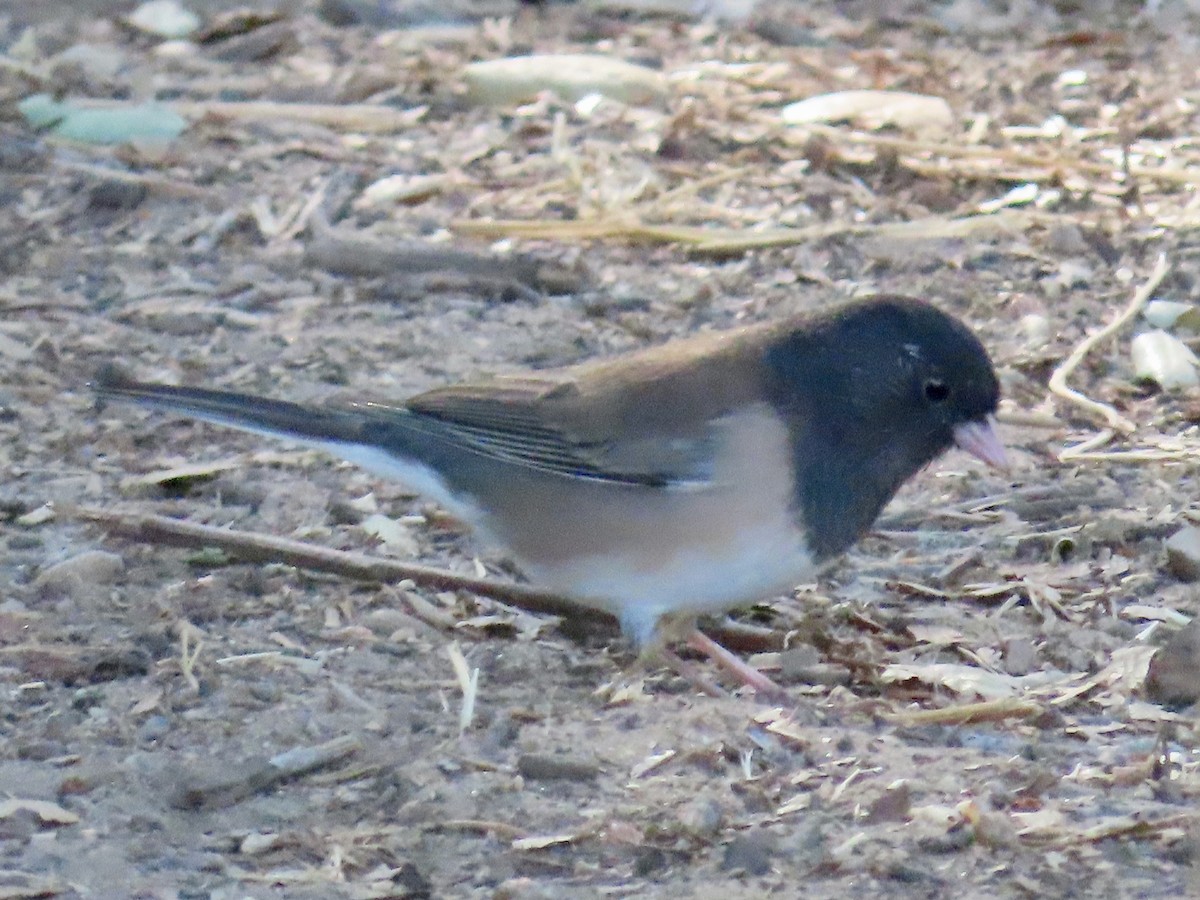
979	438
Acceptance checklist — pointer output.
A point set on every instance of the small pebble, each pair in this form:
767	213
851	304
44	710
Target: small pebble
797	658
1164	359
39	751
345	512
116	195
993	829
73	786
1020	656
164	18
153	729
1183	554
1066	240
542	767
265	691
518	79
79	574
19	826
892	805
1036	331
750	853
952	841
386	621
1172	676
501	734
648	861
524	888
702	817
258	842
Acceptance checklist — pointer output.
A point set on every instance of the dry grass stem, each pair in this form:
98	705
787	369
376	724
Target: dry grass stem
946	160
190	644
962	714
1058	380
468	683
349	117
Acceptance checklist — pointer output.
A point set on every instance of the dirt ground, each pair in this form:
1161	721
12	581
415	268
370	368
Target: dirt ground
969	714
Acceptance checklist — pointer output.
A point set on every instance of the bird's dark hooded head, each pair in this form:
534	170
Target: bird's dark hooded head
873	391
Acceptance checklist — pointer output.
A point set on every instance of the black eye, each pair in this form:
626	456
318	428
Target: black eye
936	391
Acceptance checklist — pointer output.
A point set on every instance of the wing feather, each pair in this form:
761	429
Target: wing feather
620	421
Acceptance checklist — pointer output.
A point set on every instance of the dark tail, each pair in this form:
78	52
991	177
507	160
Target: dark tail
244	411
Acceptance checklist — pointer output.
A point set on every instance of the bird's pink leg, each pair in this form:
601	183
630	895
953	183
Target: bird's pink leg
730	662
689	672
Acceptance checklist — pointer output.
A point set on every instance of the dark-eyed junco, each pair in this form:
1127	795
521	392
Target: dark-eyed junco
687	478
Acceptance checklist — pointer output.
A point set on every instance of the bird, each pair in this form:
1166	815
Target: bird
684	479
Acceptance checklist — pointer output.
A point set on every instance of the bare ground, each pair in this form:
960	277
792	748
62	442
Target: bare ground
144	686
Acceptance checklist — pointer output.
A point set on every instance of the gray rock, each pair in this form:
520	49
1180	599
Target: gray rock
79	575
1183	554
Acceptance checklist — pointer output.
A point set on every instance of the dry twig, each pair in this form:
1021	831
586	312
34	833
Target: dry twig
149	180
1058	381
959	160
239	782
1126	828
251	547
962	714
731	241
349	116
344	251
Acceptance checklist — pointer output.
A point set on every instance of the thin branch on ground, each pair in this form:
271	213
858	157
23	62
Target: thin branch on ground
250	546
1058	381
237	782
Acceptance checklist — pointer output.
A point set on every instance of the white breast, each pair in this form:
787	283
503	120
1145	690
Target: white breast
762	562
697	550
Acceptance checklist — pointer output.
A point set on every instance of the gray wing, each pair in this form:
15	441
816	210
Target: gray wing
527	422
